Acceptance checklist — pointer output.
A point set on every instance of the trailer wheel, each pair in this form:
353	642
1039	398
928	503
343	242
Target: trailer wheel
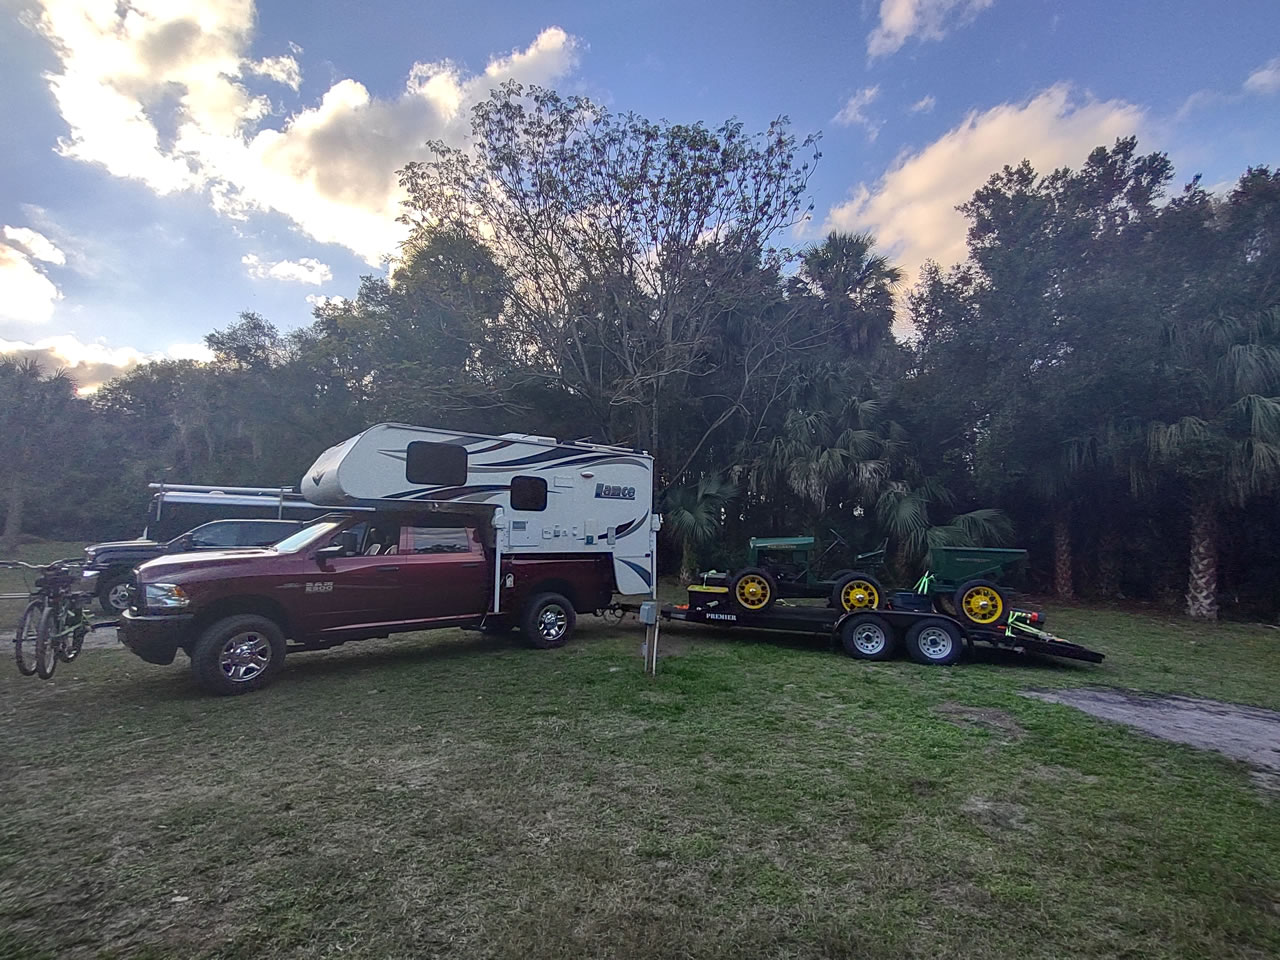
548	621
981	603
935	641
753	589
856	591
865	636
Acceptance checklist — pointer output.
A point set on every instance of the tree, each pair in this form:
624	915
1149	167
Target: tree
35	411
693	515
622	239
1225	445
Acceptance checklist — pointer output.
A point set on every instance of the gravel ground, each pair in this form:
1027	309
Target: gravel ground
1250	734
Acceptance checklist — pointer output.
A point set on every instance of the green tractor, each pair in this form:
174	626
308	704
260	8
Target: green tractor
961	581
792	567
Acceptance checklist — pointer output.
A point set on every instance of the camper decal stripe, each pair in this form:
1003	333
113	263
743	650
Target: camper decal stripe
499	445
557	454
644	574
599	460
630	527
445	493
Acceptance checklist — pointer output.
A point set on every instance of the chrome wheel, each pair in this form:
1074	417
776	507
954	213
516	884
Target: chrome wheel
118	597
869	639
244	656
935	643
553	621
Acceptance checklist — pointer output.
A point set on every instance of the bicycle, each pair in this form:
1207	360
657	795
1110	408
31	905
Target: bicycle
55	621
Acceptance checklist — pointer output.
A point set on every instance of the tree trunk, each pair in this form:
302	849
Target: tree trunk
688	565
1109	566
13	513
1202	584
1063	588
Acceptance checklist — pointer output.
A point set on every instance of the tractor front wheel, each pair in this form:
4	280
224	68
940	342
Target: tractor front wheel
856	591
754	590
981	603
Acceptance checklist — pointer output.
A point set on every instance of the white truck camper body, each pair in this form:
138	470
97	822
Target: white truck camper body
540	495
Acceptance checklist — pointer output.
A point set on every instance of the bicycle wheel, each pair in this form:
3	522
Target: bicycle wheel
24	640
48	641
74	641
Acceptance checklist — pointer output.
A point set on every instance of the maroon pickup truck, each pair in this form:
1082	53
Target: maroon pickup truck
348	577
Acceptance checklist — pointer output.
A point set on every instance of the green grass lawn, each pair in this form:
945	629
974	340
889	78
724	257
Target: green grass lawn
455	795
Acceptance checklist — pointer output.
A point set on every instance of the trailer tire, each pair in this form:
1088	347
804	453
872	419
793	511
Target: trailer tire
215	662
753	589
981	603
935	642
548	621
865	636
857	591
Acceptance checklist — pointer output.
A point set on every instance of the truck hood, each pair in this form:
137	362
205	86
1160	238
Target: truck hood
123	545
175	563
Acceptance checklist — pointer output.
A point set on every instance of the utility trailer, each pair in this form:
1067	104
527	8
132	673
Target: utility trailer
928	636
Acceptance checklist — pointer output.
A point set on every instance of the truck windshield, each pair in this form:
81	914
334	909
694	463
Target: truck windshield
305	536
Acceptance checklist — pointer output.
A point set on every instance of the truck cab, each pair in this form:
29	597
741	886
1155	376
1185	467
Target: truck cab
349	577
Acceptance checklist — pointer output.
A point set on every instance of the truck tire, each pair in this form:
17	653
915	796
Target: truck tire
865	636
113	596
935	641
548	621
238	654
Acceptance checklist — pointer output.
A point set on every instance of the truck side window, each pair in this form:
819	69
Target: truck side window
215	535
435	464
528	493
419	540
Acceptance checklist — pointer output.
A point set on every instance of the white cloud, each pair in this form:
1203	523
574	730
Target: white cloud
318	300
912	208
92	364
27	296
1266	79
35	244
854	111
924	104
282	69
155	90
304	270
928	19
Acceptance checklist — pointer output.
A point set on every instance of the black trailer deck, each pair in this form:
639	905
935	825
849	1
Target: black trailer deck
709	606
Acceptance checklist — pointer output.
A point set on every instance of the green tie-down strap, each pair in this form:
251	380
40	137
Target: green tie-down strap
925	584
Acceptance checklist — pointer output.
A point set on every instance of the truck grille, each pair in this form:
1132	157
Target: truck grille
137	604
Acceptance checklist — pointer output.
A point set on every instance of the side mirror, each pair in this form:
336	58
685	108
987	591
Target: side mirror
325	554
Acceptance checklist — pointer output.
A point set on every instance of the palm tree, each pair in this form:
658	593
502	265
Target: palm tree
694	513
903	513
1225	448
857	287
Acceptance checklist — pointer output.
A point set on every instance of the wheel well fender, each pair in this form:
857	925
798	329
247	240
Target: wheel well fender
234	606
552	585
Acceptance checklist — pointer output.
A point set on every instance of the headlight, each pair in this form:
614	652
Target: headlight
165	596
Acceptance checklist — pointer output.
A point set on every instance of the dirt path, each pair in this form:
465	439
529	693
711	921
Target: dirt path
1250	734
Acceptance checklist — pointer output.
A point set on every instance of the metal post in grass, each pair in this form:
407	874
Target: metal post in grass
649	617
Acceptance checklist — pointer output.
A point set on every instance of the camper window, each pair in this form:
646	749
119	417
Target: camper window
436	464
528	493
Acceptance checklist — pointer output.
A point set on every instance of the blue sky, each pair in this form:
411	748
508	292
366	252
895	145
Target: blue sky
170	163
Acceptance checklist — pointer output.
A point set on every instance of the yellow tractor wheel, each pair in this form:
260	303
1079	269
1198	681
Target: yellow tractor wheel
753	590
981	603
856	591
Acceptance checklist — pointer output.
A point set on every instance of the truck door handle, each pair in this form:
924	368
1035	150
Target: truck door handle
387	568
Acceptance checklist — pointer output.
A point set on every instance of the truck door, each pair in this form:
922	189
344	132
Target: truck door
442	573
356	590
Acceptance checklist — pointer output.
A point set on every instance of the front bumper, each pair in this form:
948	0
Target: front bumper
154	639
